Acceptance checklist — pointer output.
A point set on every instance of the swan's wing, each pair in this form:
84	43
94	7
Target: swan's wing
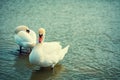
22	37
51	51
50	47
25	37
54	52
52	44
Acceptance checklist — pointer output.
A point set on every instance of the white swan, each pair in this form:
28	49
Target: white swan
25	37
46	54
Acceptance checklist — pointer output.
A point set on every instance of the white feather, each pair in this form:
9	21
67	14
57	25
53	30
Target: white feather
25	39
47	54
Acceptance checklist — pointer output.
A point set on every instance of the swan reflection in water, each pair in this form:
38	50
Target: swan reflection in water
47	73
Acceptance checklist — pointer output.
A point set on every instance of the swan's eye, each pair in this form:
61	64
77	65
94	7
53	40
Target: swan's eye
28	31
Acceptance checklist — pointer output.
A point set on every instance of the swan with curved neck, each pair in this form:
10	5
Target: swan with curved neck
25	37
46	54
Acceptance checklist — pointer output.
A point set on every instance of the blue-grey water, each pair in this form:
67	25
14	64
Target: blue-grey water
90	27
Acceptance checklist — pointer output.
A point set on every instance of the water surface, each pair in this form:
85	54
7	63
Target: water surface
90	27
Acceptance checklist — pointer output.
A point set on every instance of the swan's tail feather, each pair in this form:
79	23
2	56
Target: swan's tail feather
64	51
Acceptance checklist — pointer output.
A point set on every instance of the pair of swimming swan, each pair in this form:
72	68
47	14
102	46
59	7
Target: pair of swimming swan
43	54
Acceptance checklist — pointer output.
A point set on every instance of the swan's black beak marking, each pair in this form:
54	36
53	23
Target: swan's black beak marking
40	35
28	31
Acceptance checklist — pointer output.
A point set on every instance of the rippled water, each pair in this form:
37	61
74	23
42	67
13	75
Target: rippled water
91	27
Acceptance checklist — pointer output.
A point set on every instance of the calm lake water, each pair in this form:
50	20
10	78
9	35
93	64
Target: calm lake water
90	27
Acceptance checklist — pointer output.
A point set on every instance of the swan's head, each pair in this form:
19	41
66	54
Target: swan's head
22	28
41	34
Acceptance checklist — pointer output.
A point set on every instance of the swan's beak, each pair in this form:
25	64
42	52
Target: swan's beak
40	38
28	31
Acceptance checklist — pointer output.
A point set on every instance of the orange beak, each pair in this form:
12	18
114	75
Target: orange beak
40	38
